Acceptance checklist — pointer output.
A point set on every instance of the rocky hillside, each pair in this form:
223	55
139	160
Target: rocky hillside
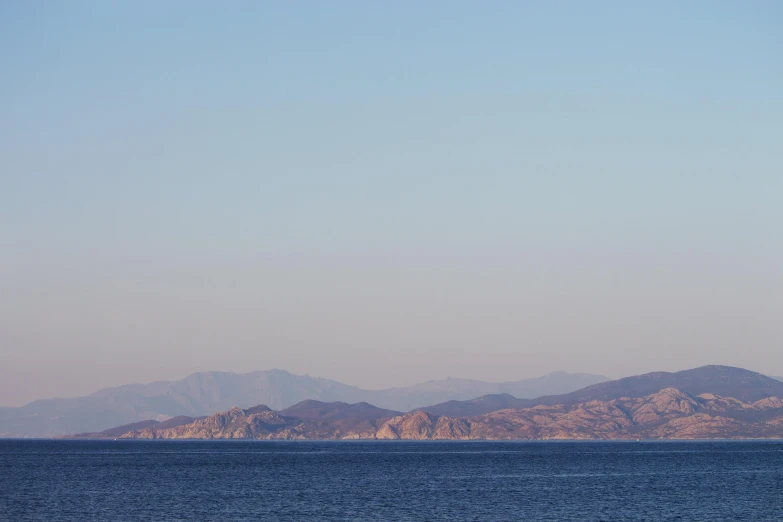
479	405
113	433
725	381
260	422
205	393
667	413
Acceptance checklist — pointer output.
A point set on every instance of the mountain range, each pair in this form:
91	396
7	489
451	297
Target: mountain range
724	381
202	394
652	406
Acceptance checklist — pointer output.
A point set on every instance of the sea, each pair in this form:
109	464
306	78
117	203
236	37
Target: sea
57	480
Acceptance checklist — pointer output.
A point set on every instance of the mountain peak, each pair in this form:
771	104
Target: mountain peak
202	394
726	381
312	409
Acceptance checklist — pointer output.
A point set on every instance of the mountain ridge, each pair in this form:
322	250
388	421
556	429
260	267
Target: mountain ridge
668	412
728	381
203	393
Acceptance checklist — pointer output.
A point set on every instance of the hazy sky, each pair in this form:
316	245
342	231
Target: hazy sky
387	192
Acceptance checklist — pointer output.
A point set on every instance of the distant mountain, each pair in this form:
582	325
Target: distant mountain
621	409
202	394
113	433
725	381
667	414
431	392
328	411
478	406
306	420
197	395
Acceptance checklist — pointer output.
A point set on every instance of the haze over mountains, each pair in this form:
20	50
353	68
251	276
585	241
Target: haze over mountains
202	394
656	405
724	381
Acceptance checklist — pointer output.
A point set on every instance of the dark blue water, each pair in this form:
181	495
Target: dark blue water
80	480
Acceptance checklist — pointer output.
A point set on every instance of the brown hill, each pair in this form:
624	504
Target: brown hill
725	381
327	411
622	409
113	433
236	423
668	413
478	406
306	420
207	392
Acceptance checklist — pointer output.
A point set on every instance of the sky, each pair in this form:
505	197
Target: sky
384	193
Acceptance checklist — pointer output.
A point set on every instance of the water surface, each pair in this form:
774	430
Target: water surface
197	480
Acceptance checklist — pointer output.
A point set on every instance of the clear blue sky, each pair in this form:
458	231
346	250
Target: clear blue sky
387	192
